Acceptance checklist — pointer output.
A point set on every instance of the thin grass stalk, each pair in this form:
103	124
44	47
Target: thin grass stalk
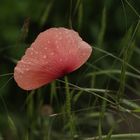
68	108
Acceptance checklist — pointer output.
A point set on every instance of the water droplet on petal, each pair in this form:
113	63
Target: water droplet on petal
44	56
55	52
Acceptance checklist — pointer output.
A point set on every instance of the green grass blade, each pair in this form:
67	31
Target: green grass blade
102	29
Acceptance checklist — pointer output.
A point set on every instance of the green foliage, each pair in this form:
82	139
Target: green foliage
100	100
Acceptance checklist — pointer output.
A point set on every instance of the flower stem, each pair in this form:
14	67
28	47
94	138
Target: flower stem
68	108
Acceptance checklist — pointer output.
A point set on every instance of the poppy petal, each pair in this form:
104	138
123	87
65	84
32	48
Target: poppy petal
54	53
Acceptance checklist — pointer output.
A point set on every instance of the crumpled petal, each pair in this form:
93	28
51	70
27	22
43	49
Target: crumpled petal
54	53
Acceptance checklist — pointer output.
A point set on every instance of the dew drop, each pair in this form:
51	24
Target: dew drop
57	47
56	42
60	38
27	69
32	49
52	53
44	56
36	52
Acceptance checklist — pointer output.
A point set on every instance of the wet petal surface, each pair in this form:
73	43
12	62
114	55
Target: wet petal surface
54	53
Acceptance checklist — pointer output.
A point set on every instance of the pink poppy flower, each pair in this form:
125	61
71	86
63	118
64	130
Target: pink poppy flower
54	53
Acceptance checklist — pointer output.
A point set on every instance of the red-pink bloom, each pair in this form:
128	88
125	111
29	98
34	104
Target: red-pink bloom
54	53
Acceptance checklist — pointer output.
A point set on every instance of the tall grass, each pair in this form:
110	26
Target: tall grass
99	101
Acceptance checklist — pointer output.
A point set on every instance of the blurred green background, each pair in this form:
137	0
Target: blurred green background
112	72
